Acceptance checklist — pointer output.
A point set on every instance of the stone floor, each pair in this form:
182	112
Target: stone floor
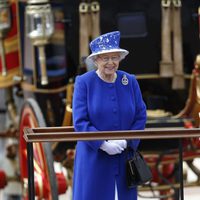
190	193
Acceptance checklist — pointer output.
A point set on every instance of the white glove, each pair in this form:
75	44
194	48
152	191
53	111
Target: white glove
111	148
121	143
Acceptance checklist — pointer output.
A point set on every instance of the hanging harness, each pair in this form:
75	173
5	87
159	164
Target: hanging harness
89	26
171	64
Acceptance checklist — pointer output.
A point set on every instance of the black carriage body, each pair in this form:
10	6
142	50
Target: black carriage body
140	25
139	22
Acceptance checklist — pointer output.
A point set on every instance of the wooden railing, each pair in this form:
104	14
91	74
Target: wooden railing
59	134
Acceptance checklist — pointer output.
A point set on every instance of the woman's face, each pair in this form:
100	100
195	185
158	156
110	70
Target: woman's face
108	63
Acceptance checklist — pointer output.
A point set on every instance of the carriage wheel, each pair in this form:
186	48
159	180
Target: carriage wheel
44	175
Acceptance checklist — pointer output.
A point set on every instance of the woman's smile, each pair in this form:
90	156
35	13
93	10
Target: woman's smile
110	68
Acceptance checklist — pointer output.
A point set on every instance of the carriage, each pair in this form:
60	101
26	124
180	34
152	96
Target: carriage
43	47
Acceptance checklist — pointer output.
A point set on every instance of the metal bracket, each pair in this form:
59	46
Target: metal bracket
177	3
95	6
83	7
166	3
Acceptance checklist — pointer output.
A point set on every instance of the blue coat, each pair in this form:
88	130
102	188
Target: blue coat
102	106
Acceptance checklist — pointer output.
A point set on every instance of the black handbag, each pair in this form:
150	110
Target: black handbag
137	170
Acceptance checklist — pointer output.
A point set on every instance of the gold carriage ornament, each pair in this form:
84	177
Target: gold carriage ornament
5	25
39	28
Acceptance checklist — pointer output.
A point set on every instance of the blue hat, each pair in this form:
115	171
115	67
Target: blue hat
106	43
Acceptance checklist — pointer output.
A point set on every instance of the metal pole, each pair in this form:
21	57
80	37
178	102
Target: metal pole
181	190
31	189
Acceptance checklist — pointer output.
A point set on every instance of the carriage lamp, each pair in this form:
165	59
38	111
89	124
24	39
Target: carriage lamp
39	28
5	24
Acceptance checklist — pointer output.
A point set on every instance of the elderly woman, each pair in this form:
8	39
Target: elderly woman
105	99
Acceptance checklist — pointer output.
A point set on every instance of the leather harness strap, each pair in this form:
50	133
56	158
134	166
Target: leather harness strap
95	16
89	26
84	27
178	81
166	64
171	64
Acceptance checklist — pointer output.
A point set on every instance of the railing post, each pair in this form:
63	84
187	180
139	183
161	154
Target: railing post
31	188
181	190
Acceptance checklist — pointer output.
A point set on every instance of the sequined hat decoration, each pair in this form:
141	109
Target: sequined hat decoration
107	43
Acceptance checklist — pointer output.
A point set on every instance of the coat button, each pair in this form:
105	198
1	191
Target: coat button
114	110
113	98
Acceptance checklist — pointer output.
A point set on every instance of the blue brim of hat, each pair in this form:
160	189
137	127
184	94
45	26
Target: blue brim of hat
123	53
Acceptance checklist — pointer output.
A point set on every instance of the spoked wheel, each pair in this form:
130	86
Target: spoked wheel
44	175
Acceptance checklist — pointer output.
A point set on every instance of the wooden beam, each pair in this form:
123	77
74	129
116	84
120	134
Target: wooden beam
59	134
